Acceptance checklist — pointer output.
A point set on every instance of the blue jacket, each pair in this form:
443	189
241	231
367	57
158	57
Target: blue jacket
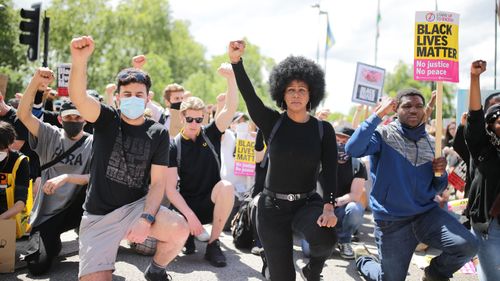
401	169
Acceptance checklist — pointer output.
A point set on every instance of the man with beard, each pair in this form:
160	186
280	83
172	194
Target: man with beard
65	159
402	200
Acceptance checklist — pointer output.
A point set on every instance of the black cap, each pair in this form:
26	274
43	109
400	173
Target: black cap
68	108
344	130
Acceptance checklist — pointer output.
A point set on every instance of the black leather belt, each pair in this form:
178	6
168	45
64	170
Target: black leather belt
290	196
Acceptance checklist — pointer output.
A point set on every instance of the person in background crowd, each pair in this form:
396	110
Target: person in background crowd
482	134
289	202
406	179
173	95
127	175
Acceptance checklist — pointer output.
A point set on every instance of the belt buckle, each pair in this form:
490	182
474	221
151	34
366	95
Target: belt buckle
290	197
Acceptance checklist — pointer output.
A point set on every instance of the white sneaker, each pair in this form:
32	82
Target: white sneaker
203	237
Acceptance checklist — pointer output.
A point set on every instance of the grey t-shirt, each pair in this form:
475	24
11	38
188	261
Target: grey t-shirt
52	142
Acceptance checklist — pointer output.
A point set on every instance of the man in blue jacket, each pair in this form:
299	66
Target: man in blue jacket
403	171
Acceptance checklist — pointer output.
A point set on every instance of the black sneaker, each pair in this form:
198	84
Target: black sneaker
308	275
189	247
427	276
214	254
161	276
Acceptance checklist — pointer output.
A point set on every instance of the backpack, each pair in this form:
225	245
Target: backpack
22	219
241	226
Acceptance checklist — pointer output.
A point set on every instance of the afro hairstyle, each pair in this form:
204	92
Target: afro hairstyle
409	92
297	68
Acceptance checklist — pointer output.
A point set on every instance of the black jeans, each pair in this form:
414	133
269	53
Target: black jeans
50	235
277	220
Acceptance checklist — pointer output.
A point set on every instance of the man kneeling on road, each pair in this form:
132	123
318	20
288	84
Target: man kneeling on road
127	175
65	158
195	156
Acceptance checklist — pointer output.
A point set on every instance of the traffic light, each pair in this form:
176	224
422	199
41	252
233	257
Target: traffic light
30	30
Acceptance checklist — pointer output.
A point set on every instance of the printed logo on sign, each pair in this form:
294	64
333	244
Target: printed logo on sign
430	17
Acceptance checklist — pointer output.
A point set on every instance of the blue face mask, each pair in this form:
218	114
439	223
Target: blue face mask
132	107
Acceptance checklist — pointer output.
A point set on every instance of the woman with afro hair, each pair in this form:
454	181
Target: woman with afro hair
300	144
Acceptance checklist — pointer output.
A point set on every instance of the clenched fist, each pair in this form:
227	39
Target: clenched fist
81	49
236	50
42	78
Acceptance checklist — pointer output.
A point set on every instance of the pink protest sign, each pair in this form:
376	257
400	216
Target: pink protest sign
436	46
244	158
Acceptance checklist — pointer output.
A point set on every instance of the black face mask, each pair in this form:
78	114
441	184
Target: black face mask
72	128
175	105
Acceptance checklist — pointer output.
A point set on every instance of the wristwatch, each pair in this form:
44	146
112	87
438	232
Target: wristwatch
148	217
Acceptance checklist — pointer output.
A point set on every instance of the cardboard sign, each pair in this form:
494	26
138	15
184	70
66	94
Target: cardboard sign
63	79
7	245
244	158
368	84
436	46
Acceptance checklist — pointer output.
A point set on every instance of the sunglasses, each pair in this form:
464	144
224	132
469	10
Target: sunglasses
190	119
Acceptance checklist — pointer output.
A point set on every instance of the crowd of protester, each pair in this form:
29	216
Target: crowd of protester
122	166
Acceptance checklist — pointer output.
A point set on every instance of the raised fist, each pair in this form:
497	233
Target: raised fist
225	70
236	50
42	78
81	48
110	89
138	61
477	67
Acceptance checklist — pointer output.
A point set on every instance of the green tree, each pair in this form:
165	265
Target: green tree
402	77
12	54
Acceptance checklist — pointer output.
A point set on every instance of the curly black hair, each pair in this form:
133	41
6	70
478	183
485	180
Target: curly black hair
409	92
297	68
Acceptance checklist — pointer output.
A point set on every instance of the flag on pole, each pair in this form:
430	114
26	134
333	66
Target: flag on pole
379	18
329	35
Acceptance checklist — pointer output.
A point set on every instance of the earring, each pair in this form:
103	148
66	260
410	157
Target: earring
310	106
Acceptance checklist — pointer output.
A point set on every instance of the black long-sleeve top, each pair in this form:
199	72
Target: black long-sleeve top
460	146
296	149
485	186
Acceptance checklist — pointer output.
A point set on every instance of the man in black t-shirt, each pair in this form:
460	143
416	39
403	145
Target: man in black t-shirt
351	177
195	157
127	175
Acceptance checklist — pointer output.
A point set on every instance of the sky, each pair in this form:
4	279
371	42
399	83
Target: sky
281	28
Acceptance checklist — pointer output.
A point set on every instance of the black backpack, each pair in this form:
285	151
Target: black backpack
241	226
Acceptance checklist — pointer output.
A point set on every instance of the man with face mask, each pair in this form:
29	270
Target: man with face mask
406	178
128	175
58	204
